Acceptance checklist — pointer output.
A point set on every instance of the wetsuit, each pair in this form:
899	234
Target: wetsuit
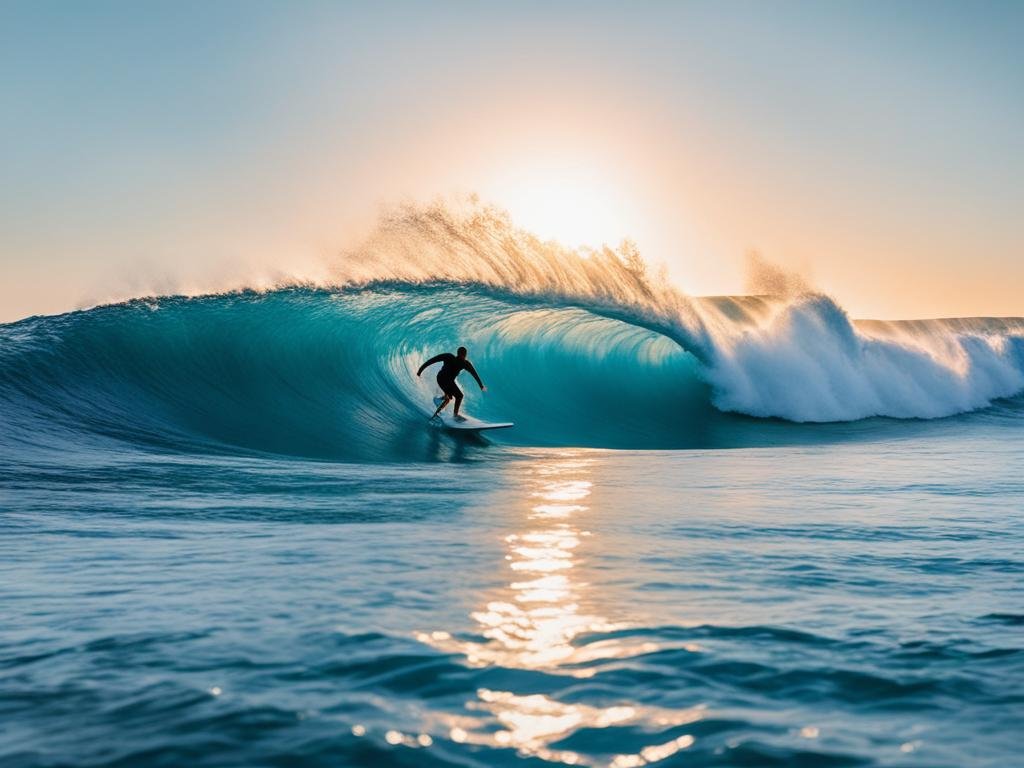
452	367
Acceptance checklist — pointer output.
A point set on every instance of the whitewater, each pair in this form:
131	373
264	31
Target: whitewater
743	530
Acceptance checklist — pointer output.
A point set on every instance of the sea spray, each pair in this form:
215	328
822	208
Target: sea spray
584	347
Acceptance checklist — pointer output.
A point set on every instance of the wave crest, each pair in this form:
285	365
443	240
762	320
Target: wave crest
585	347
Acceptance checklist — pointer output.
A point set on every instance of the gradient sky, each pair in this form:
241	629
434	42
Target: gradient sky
877	147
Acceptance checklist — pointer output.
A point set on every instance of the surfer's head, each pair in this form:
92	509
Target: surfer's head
461	352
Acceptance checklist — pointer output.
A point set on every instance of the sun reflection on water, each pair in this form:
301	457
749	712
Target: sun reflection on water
539	622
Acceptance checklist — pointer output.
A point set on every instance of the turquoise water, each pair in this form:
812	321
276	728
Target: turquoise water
229	538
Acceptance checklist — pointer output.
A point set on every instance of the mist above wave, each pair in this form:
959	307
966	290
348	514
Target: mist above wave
794	355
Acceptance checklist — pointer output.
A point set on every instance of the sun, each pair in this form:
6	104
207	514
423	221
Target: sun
573	206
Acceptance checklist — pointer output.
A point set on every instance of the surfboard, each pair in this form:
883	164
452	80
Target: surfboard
448	421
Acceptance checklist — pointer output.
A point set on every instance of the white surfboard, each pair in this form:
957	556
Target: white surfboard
448	421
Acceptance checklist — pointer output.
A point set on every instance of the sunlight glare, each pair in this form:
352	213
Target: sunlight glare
573	206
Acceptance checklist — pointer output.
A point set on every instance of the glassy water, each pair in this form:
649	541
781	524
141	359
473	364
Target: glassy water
855	603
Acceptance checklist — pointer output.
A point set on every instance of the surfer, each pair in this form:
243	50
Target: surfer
452	366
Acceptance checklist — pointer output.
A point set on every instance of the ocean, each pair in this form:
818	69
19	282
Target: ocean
723	532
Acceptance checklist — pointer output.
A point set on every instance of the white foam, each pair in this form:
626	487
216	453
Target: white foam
810	363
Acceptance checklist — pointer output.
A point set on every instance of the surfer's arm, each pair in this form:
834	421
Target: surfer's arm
431	361
472	370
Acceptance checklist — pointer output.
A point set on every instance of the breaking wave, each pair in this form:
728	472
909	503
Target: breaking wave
580	348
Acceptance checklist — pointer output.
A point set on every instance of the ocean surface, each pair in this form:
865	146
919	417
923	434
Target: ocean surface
724	532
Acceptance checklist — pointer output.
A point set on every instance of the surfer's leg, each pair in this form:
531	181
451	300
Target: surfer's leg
451	390
441	407
445	388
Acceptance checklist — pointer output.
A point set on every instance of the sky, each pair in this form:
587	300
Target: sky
874	147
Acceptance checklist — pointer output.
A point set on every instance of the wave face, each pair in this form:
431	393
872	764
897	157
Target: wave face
320	374
331	373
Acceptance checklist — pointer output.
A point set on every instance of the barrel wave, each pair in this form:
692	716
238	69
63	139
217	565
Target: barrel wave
330	373
320	374
582	347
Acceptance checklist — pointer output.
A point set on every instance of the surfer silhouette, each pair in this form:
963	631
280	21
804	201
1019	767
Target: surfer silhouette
452	366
